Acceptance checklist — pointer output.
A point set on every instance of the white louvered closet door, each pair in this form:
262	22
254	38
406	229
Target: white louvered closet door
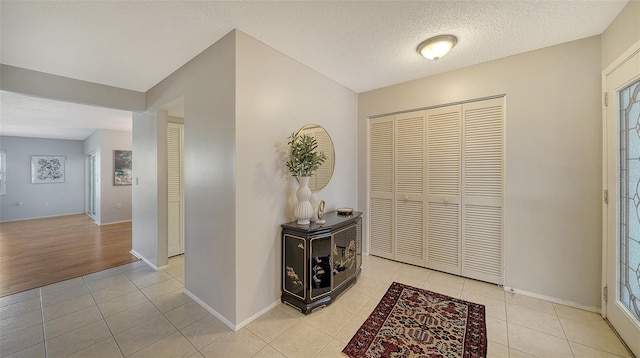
483	173
409	187
381	150
175	222
443	189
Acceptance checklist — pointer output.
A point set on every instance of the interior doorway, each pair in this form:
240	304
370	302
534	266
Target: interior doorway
92	184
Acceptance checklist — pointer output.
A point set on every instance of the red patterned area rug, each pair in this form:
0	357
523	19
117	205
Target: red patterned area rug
412	322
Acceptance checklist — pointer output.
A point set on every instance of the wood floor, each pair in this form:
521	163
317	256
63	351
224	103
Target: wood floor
39	252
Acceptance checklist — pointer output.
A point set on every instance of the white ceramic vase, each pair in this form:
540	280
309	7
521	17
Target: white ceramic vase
304	210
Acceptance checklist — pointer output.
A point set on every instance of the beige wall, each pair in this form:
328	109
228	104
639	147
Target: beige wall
553	159
275	97
207	83
623	32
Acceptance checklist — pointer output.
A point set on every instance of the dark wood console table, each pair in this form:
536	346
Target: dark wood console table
320	261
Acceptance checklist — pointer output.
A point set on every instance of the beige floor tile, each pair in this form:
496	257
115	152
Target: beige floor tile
151	278
580	351
139	272
102	274
180	279
71	321
197	355
77	340
366	286
171	300
66	307
537	343
593	335
413	271
63	285
131	317
290	310
107	348
174	345
497	330
36	351
21	340
18	297
20	322
122	303
408	280
186	314
20	308
484	289
162	288
368	307
345	334
578	315
107	282
332	350
493	308
234	345
175	270
443	289
133	266
351	302
64	295
533	319
144	335
497	350
116	291
329	320
268	352
514	353
204	331
444	279
301	340
377	273
272	324
529	302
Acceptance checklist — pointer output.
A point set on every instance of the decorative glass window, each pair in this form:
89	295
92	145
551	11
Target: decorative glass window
630	198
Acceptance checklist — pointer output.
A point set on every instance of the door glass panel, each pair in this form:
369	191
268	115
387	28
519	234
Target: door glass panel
629	99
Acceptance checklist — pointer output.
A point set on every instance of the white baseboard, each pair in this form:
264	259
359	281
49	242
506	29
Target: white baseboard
115	222
553	300
222	318
156	268
40	217
257	315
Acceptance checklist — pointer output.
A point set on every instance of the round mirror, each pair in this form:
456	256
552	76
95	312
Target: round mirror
323	175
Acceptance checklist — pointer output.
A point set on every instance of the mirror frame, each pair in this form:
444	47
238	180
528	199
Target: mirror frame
312	182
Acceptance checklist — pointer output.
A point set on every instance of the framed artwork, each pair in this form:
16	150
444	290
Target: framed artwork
122	168
47	169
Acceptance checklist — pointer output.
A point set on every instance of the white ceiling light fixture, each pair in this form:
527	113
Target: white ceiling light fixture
436	47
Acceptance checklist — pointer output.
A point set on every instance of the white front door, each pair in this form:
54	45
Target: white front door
621	269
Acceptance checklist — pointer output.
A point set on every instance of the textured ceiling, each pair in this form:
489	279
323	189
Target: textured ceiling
363	45
25	116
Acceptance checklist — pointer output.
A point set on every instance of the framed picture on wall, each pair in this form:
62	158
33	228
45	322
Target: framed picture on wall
122	168
47	169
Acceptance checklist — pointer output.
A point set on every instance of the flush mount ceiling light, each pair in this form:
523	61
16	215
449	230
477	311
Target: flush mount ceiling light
436	47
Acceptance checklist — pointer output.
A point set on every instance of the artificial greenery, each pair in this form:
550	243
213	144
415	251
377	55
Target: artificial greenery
304	159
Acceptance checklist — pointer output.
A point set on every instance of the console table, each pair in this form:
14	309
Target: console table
320	261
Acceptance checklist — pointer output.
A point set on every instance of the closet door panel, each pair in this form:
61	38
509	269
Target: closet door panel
409	188
483	173
381	186
443	188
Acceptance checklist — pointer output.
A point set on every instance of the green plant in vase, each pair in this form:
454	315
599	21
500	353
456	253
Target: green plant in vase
303	162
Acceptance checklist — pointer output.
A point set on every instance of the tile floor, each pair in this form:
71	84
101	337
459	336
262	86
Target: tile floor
133	311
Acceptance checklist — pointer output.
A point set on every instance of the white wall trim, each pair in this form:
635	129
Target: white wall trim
219	316
156	268
41	217
553	300
257	315
116	222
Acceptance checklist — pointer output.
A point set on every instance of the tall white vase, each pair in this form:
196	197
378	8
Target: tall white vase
304	210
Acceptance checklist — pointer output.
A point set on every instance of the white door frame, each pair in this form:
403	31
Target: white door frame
621	322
